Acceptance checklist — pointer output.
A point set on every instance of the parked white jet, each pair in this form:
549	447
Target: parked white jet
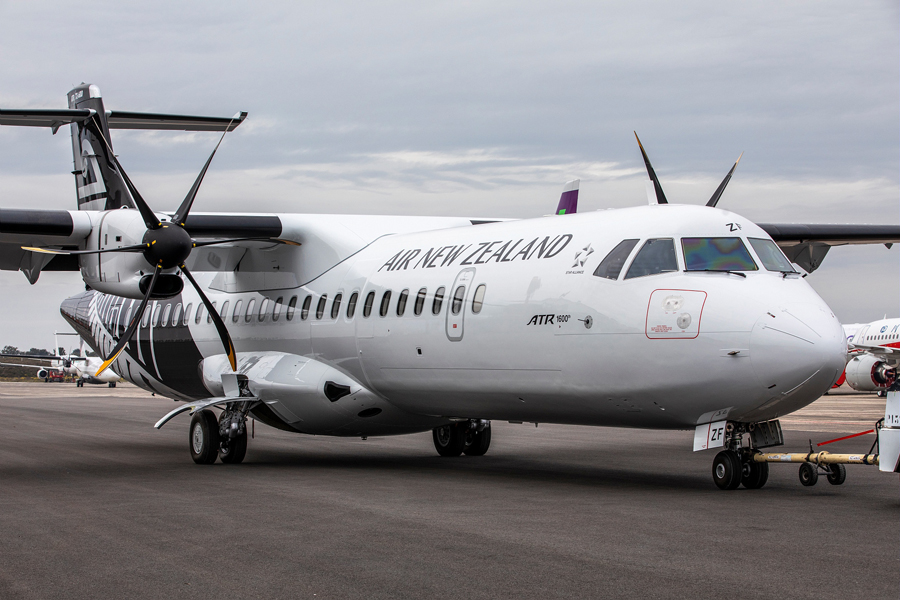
661	316
82	368
875	356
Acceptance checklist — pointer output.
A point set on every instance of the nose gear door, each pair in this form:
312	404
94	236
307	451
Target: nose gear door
456	311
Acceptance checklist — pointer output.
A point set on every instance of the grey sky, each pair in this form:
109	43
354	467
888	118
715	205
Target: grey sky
476	109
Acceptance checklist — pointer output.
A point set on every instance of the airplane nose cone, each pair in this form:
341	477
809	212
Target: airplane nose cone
797	352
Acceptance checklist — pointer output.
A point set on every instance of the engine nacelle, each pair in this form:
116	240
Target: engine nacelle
125	274
43	374
868	373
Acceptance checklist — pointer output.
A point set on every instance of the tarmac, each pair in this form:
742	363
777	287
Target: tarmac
95	503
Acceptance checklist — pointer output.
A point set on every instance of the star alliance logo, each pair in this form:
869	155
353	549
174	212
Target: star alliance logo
582	255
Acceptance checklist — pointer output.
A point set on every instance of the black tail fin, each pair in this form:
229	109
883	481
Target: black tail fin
97	181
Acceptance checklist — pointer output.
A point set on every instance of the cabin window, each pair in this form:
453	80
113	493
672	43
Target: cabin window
320	307
611	266
251	310
199	316
167	309
304	310
187	314
292	304
224	312
209	316
176	315
716	254
385	303
458	299
654	257
401	302
478	298
420	302
438	301
336	306
351	304
263	310
276	310
771	256
145	318
236	315
367	306
156	309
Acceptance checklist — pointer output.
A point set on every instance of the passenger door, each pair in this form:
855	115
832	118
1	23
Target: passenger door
456	311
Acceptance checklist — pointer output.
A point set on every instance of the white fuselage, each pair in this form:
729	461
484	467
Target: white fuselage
552	342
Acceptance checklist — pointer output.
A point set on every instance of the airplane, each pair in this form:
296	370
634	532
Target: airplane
875	356
660	316
83	368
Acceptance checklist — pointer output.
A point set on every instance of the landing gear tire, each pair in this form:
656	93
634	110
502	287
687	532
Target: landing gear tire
754	475
478	442
727	469
809	474
837	474
232	451
449	440
112	384
203	437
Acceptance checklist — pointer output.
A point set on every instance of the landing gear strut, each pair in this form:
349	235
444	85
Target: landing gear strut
233	433
472	437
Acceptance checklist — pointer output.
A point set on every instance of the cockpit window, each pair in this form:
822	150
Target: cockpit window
655	256
771	257
717	254
611	266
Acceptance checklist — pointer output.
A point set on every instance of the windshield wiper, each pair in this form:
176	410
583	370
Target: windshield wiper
784	274
738	273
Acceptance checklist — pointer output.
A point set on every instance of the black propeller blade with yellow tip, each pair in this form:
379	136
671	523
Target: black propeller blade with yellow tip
661	196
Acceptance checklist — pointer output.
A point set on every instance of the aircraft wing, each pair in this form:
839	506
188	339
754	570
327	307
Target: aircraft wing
49	368
884	351
807	244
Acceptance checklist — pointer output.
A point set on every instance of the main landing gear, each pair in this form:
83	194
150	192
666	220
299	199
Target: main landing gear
472	438
226	437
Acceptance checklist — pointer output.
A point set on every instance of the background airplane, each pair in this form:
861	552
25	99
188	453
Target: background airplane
82	368
875	356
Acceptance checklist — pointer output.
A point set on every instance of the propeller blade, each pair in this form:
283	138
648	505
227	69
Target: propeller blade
660	195
135	248
220	325
182	213
248	239
150	219
718	193
126	337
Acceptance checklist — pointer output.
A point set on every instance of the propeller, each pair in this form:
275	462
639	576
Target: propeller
165	245
661	196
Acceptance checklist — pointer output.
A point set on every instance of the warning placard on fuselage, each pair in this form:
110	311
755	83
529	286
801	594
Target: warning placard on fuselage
674	314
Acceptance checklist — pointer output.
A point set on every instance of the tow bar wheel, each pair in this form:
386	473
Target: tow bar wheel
809	474
203	437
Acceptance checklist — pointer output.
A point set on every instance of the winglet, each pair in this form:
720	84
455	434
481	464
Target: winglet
568	200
